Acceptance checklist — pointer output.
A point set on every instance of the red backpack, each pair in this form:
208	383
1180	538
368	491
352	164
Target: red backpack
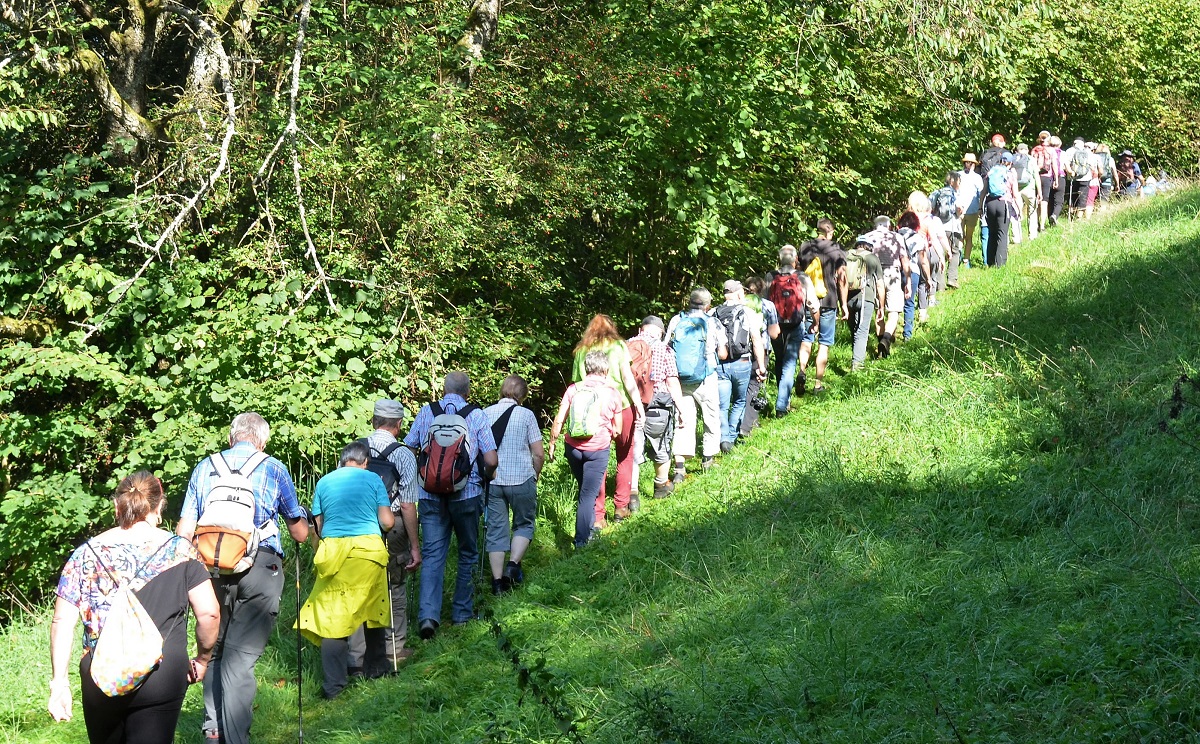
639	362
444	463
788	295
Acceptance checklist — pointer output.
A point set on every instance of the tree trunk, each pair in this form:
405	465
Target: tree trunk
482	27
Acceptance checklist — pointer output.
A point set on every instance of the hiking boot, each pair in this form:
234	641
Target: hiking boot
427	629
355	672
680	474
801	379
635	503
663	490
706	464
599	524
499	586
622	514
726	448
514	574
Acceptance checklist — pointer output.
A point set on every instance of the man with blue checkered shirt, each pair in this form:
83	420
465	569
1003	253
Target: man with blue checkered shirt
249	600
458	513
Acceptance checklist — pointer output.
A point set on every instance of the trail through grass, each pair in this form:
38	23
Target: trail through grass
989	537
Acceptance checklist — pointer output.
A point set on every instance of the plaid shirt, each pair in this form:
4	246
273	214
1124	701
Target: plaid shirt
274	493
406	465
480	440
516	461
662	361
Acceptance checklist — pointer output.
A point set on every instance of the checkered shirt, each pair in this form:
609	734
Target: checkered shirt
662	361
516	462
406	465
480	441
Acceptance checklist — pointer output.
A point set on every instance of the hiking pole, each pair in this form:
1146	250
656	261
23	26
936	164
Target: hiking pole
299	659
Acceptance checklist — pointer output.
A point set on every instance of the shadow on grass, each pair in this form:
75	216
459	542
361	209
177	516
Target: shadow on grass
823	585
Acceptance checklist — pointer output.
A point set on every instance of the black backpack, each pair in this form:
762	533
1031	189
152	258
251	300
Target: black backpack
943	204
737	336
380	465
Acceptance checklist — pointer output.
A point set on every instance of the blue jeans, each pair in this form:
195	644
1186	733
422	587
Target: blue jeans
589	469
789	357
910	304
733	379
438	519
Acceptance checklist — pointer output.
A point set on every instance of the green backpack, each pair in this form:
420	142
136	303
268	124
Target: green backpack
583	418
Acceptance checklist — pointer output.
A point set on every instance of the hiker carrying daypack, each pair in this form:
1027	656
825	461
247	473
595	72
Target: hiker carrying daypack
816	273
586	414
689	341
787	292
226	536
943	205
444	462
380	464
737	336
855	268
997	180
1080	165
1021	164
914	243
130	645
639	363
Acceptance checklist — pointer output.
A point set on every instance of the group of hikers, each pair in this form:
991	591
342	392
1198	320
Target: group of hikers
691	385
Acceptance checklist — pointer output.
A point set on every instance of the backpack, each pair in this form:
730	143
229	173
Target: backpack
1024	172
990	159
816	273
943	204
444	463
1080	167
1108	168
856	269
737	336
584	415
914	242
788	295
380	464
639	362
689	341
226	536
997	180
130	645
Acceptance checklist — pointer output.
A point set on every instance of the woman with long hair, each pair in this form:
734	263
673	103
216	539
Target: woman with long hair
601	335
166	576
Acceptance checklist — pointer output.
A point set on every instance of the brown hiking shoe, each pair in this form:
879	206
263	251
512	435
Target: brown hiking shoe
622	513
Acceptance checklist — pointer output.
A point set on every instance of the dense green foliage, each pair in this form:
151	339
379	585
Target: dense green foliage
608	156
990	533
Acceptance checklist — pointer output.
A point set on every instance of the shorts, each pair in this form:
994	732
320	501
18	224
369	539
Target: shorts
1079	194
894	302
825	328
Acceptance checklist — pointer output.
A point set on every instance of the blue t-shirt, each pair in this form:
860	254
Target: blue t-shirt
347	500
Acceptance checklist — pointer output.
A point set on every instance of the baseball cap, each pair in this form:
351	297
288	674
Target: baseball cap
390	409
700	298
1006	157
733	285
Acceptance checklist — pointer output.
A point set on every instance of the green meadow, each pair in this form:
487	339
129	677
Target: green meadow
988	537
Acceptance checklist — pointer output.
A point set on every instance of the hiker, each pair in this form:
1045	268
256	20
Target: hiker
918	249
931	228
512	494
1077	162
164	572
249	597
1046	161
601	334
824	261
988	160
897	279
1129	175
658	386
451	469
744	360
1058	193
756	403
943	206
698	341
969	202
594	409
1108	173
351	509
865	297
1000	205
1029	185
397	466
1096	162
795	299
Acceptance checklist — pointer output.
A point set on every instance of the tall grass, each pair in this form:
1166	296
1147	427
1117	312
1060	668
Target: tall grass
988	537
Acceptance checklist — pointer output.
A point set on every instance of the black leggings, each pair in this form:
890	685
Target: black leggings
148	715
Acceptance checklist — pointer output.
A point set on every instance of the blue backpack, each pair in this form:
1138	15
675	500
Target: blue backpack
997	180
690	344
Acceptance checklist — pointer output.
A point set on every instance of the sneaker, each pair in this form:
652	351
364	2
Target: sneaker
726	448
923	316
800	380
663	490
635	503
680	474
355	672
498	587
819	390
966	264
622	514
706	464
514	574
427	629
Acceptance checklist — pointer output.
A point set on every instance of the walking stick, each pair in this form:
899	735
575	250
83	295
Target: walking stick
299	659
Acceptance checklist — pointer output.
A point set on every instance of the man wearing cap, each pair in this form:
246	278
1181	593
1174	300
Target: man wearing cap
999	210
1129	175
698	341
969	202
404	548
743	337
663	399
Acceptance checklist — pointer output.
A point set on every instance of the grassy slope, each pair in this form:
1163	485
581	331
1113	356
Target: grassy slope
987	534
